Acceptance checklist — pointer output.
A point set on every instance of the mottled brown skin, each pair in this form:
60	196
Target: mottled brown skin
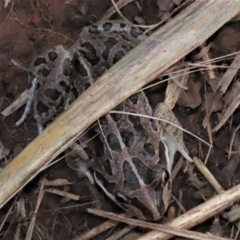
131	156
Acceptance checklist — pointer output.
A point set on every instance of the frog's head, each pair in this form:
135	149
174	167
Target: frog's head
146	196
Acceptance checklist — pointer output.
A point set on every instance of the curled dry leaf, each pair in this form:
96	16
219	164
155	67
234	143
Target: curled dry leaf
204	193
227	41
191	98
165	6
212	102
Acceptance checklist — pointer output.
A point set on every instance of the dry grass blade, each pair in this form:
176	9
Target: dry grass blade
144	63
202	66
120	4
165	121
120	233
232	141
199	214
229	74
154	226
231	104
34	216
97	230
6	216
58	192
173	92
208	175
19	102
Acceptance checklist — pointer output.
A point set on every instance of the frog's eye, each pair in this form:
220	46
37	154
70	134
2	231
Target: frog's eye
165	176
121	198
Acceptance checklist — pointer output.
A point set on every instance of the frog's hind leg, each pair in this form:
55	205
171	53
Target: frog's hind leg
117	26
30	99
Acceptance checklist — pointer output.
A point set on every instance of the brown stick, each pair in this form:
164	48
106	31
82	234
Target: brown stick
199	214
156	226
150	58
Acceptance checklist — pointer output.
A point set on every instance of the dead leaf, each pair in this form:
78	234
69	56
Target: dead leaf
227	41
212	102
232	101
191	98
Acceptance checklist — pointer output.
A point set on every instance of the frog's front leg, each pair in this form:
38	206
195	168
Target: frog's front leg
170	134
33	84
76	159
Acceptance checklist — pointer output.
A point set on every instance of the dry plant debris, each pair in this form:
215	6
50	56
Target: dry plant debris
211	98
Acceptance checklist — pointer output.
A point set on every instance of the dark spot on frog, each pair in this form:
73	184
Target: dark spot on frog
142	132
135	120
86	86
38	86
79	67
145	210
67	67
122	25
153	124
93	29
130	180
113	143
176	132
103	121
62	83
147	175
134	98
117	116
122	199
107	26
109	44
149	149
106	64
126	47
93	60
52	56
108	167
42	108
99	146
40	61
75	93
67	89
91	49
45	72
60	103
31	76
166	124
143	155
127	137
135	32
88	152
52	94
118	55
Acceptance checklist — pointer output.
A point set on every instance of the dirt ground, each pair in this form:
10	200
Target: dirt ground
27	29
